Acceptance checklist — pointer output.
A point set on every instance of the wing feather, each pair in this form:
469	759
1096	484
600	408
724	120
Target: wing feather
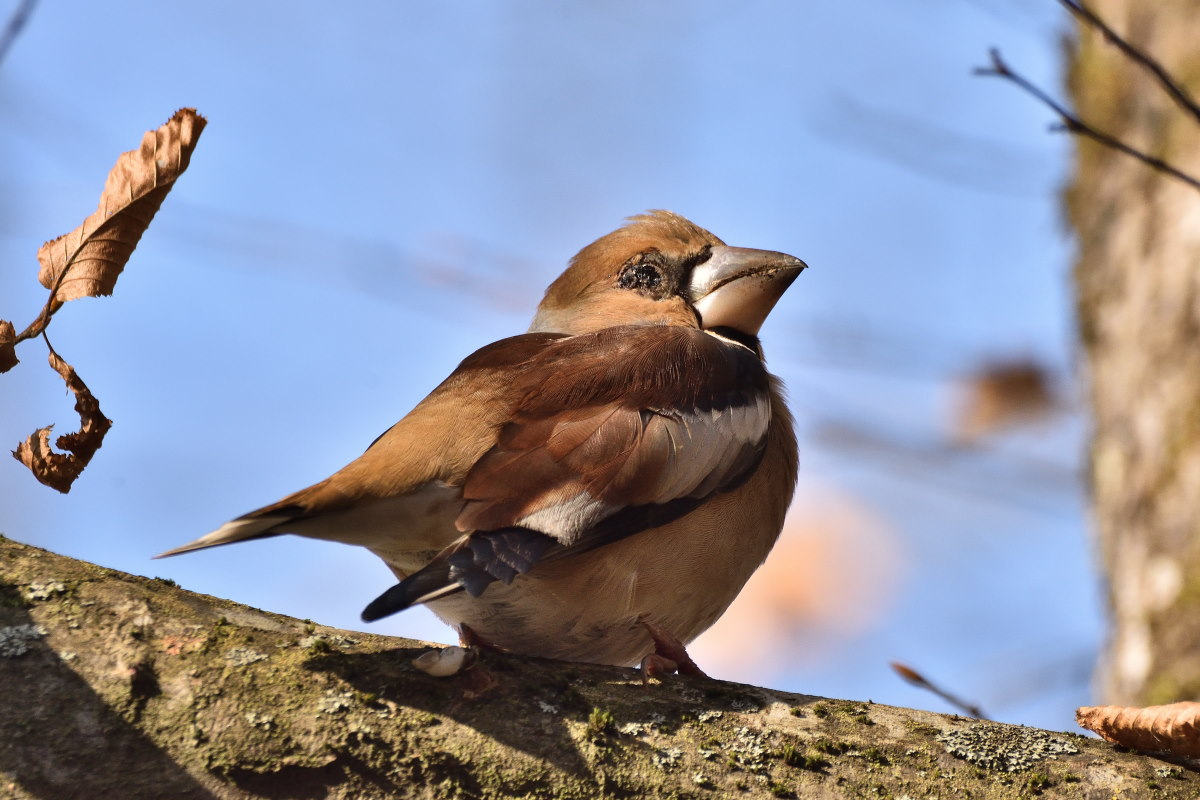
612	433
625	416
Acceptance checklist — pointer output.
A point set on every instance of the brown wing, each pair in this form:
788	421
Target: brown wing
435	445
612	433
622	418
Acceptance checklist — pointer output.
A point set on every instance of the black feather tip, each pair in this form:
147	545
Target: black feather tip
393	600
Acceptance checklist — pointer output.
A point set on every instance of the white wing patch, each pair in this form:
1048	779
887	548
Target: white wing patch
567	518
700	451
689	418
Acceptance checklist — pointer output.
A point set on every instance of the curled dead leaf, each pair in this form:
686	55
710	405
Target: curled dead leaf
446	661
8	346
59	470
1171	728
87	261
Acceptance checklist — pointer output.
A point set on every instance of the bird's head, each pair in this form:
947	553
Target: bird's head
662	269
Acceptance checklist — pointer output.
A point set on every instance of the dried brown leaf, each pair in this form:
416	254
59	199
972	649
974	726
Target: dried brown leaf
87	261
1155	729
59	470
8	346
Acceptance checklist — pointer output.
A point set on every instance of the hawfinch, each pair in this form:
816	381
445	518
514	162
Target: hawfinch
598	489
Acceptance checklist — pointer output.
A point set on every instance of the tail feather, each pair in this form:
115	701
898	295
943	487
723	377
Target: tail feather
238	530
420	587
471	564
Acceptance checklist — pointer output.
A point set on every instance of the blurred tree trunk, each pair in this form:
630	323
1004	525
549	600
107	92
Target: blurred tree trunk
1138	288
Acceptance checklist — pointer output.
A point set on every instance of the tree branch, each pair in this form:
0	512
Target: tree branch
1073	124
119	686
1169	85
16	24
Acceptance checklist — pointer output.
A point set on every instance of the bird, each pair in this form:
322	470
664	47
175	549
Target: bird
597	489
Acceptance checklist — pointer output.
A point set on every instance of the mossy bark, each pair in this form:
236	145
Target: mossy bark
1137	277
120	686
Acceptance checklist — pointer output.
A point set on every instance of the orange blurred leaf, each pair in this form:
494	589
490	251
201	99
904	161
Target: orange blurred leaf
1154	729
1003	395
87	261
8	346
59	470
832	576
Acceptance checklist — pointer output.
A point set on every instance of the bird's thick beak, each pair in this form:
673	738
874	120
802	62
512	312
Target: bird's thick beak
737	287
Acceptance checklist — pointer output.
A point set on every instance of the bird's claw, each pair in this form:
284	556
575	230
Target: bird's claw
656	666
467	637
669	655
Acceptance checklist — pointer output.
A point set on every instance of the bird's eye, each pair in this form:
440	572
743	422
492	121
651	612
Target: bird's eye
641	276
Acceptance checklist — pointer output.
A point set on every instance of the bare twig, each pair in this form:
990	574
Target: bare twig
16	23
1073	124
1177	92
917	679
38	326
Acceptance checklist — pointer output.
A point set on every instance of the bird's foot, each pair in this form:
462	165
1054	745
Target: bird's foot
475	679
467	637
656	666
669	655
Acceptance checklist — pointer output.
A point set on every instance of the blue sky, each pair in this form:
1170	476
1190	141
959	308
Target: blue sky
386	187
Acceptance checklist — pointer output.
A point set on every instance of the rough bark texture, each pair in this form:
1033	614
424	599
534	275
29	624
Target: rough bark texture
120	686
1138	288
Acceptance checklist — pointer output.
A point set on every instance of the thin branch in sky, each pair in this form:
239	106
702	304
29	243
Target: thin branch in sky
1073	124
16	23
1172	87
917	679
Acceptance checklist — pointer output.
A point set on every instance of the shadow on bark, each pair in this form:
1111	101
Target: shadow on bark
56	729
501	697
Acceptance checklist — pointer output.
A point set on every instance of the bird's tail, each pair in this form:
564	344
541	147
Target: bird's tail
420	587
238	530
471	564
